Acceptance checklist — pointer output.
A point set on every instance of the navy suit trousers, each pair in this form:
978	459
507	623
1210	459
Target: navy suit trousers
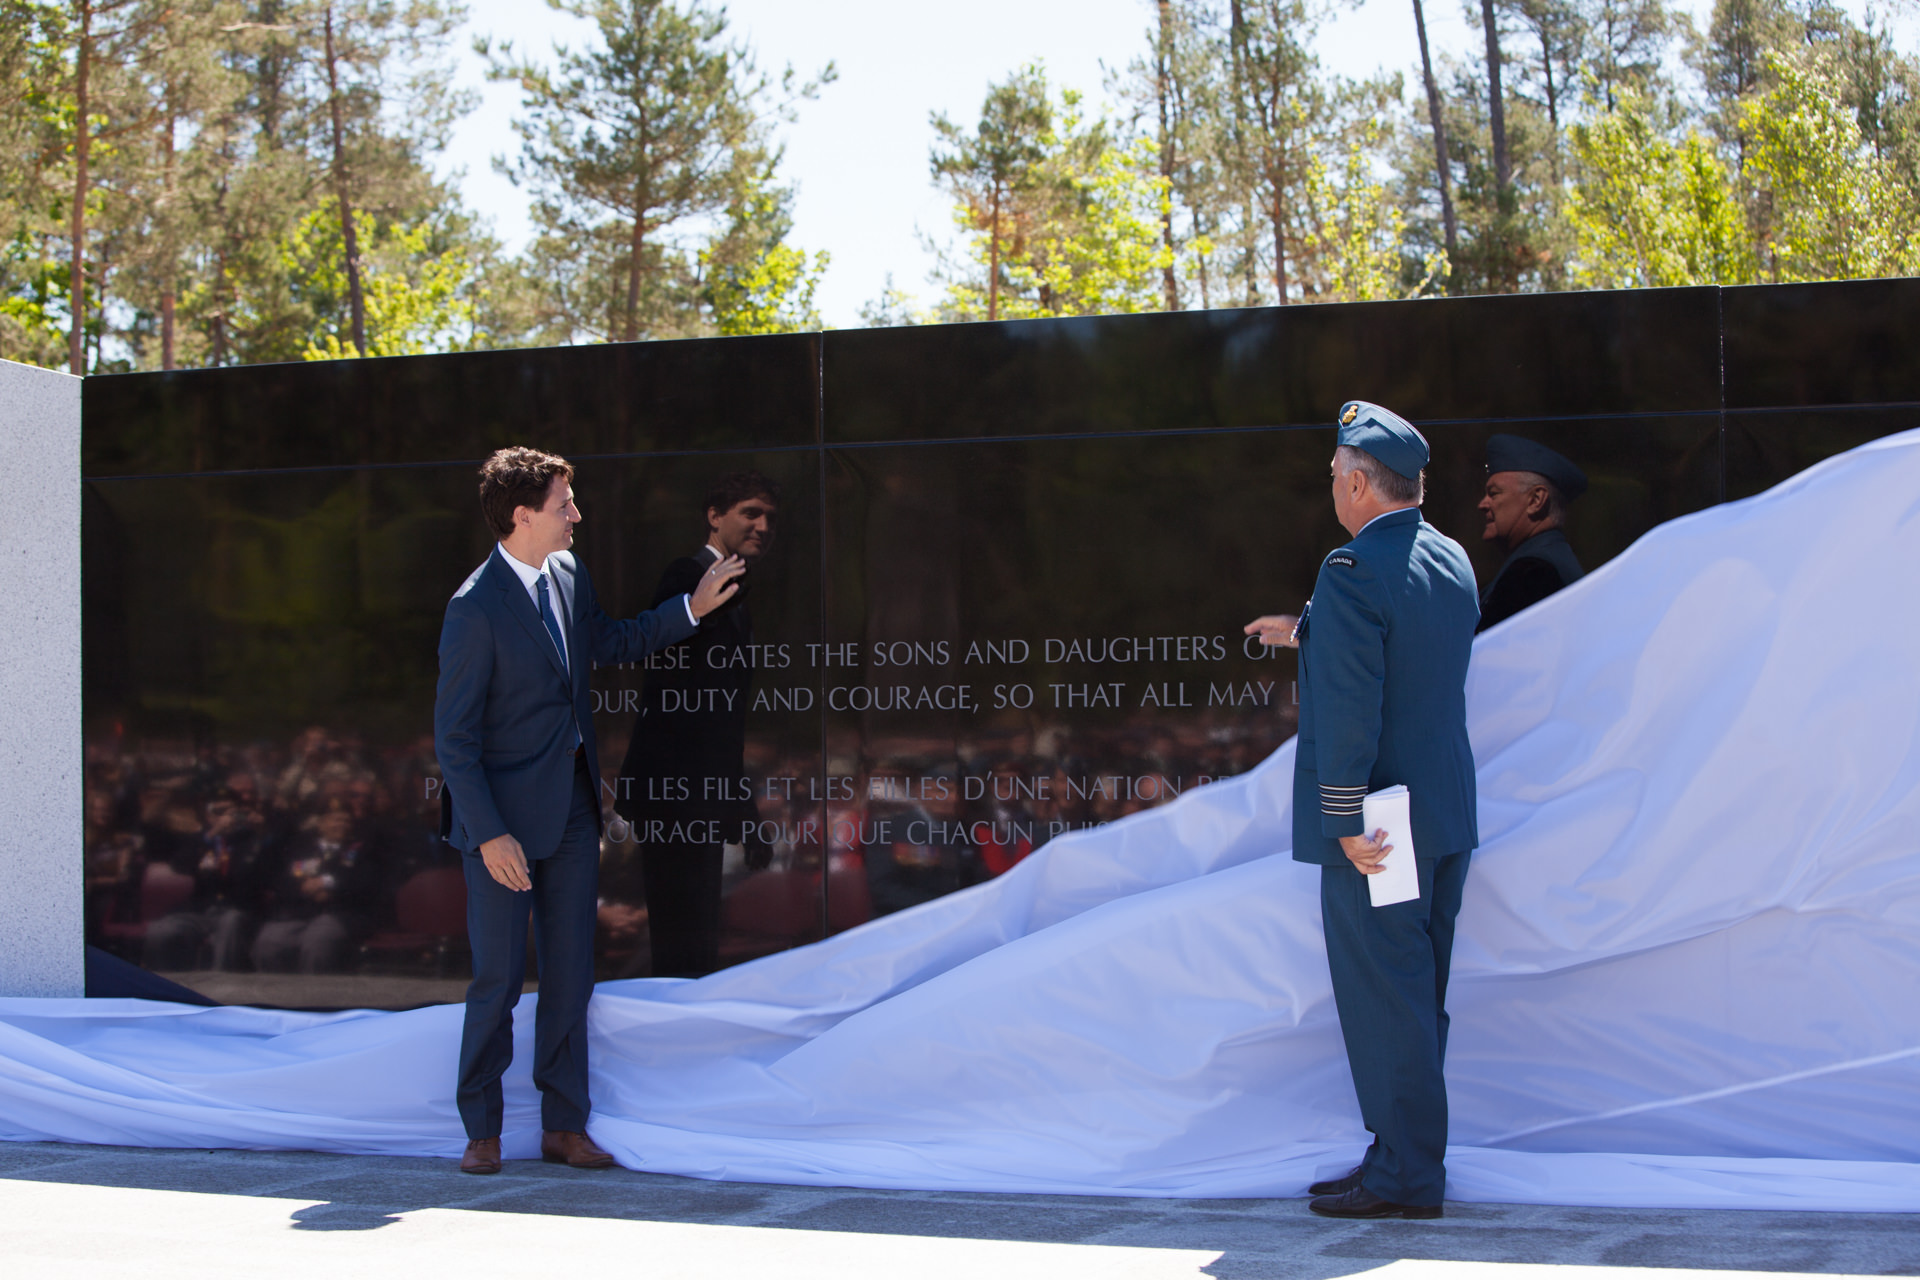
1389	967
562	908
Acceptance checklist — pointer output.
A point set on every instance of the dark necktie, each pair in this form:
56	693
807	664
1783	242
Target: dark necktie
553	623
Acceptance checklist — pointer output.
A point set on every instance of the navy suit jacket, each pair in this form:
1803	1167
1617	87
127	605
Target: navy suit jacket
507	712
1383	674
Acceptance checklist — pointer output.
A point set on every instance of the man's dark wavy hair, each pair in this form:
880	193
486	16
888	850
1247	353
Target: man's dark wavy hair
517	477
734	488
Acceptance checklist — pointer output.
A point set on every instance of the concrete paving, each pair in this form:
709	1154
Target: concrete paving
108	1211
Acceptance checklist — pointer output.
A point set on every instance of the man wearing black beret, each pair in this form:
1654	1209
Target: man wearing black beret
1528	489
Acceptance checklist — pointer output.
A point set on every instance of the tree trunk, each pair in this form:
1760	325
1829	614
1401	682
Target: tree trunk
82	145
217	322
356	301
1496	110
1553	105
1163	69
630	331
169	266
993	259
1237	58
1439	136
1200	263
1279	243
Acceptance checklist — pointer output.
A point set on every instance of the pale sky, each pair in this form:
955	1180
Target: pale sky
858	154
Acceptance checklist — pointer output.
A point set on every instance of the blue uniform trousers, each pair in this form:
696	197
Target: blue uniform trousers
1389	967
562	907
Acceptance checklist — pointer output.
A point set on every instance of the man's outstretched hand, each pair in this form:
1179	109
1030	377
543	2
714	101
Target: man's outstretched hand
507	862
1275	630
717	585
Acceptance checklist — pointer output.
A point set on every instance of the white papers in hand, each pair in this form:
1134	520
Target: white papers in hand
1398	879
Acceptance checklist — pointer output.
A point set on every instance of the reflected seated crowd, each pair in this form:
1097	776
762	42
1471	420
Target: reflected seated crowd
322	856
256	859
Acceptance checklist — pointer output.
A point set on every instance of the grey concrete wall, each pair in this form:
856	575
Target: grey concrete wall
42	948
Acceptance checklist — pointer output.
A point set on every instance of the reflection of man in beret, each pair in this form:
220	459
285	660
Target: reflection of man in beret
1528	489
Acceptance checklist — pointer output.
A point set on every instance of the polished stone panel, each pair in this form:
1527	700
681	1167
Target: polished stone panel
617	398
1767	446
1511	359
1850	342
1815	369
1004	601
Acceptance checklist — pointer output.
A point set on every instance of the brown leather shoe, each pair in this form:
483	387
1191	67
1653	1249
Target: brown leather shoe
561	1146
483	1156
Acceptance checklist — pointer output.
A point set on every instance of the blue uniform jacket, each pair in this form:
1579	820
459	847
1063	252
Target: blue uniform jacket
1383	672
507	714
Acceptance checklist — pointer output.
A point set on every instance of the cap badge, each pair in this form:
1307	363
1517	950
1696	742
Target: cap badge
1353	411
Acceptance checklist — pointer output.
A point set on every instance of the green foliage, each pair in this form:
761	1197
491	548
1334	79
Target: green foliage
996	174
1835	210
416	300
771	295
32	319
1359	235
230	141
1101	253
895	308
1652	213
32	132
752	280
1057	218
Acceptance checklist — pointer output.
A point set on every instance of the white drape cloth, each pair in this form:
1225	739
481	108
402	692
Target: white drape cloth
1686	975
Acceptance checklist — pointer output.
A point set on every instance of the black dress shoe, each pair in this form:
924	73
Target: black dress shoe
1362	1203
1338	1186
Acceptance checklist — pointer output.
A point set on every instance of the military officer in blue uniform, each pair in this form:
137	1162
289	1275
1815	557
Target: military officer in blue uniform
1383	647
1525	509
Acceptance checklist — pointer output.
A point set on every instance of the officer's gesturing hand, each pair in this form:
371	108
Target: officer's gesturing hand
1366	852
1278	630
717	586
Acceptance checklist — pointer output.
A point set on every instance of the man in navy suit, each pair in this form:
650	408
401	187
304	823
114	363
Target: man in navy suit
513	730
1383	646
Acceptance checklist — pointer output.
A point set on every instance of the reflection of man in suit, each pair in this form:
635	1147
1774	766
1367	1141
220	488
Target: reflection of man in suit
1528	489
683	785
522	785
1383	670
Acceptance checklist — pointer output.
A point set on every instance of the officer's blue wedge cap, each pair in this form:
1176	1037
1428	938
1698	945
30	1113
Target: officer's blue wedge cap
1517	453
1384	434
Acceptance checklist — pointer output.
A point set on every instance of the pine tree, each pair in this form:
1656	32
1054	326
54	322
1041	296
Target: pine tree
655	126
995	173
1059	217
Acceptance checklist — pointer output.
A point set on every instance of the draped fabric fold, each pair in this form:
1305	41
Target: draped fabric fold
1685	972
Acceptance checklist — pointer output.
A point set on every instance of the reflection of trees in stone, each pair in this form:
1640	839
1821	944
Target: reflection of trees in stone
258	607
